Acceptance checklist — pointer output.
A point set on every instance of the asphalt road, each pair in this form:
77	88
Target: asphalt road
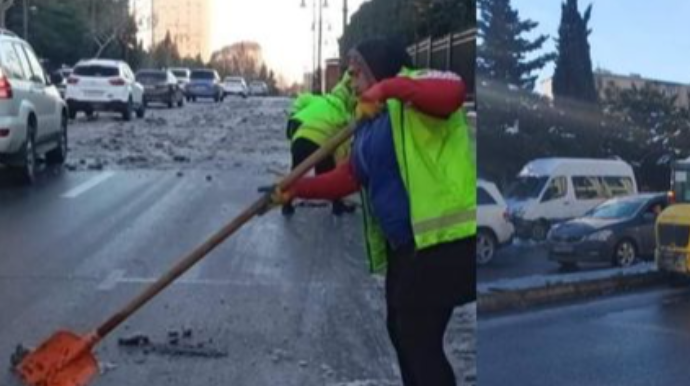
286	302
637	339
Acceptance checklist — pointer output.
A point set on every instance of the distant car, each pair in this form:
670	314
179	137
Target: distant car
104	85
235	85
182	75
258	88
33	117
204	84
161	86
494	230
618	231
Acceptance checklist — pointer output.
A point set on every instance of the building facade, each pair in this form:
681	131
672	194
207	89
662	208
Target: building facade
605	80
187	21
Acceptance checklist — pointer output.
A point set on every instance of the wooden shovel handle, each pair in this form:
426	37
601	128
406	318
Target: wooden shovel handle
217	238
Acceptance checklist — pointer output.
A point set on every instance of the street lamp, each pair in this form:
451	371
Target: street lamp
316	79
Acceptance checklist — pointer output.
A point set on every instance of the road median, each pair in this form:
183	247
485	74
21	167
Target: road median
533	291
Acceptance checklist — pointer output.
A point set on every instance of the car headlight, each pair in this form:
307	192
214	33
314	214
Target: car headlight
600	236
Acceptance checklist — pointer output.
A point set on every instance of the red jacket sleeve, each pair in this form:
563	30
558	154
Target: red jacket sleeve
438	94
335	184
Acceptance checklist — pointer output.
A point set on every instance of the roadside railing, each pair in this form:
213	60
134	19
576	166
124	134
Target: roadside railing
455	52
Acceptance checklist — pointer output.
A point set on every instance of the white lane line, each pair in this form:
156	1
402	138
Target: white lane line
112	280
88	185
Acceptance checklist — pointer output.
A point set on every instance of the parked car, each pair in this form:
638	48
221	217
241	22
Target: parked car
182	75
235	85
204	84
618	231
33	116
104	85
494	229
258	88
551	190
161	86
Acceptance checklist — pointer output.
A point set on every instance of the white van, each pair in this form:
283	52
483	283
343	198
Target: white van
551	190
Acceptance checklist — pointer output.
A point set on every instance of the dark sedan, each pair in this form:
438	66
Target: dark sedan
618	231
162	87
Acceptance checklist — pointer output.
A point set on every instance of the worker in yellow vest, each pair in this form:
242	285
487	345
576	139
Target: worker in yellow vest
315	119
412	162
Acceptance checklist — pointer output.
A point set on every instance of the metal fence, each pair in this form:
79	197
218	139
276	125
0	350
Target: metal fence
454	52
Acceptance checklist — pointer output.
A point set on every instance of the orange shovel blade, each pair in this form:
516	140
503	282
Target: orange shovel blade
63	360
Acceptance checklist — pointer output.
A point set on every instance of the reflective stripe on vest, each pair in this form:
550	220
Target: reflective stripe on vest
458	218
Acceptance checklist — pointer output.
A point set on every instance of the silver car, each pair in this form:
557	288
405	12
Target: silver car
33	116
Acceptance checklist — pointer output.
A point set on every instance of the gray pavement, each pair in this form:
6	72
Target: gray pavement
637	339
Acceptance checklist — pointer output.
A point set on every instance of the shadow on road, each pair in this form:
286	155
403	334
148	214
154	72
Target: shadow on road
45	176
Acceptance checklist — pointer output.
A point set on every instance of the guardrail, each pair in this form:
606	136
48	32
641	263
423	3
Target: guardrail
455	52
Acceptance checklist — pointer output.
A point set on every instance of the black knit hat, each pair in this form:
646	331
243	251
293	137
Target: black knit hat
383	57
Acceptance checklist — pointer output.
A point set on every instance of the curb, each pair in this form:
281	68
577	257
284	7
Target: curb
515	295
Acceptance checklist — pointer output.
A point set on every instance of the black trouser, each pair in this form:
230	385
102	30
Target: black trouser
302	148
422	289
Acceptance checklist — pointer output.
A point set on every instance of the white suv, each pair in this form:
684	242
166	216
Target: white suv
104	85
33	117
493	227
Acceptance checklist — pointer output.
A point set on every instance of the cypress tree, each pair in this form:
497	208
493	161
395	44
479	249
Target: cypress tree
574	78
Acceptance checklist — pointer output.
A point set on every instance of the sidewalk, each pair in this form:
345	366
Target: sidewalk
538	290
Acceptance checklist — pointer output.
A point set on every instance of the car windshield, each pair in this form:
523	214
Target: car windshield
96	71
180	74
202	75
153	76
526	187
616	209
233	80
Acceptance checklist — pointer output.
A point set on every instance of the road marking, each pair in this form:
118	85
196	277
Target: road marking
88	185
112	280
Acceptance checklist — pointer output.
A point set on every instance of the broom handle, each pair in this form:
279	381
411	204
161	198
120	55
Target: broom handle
216	239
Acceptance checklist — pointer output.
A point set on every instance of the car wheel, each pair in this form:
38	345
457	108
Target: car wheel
127	111
540	230
58	155
625	253
141	112
72	114
90	114
486	246
27	170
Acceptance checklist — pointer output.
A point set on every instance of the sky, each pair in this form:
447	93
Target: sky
282	28
645	37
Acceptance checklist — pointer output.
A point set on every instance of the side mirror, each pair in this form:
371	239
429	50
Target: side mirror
38	79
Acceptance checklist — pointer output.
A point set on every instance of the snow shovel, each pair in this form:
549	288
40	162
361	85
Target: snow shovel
66	358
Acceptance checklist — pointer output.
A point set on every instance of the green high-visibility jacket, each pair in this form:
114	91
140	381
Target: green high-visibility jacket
323	116
439	173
